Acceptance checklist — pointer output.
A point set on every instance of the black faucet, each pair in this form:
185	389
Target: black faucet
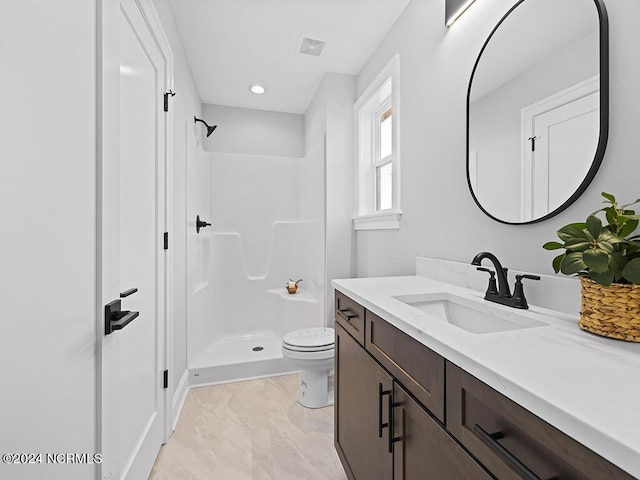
503	293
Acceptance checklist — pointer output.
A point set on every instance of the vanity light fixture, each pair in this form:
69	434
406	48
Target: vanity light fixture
258	89
453	9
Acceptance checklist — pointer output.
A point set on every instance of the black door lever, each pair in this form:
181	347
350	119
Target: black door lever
126	293
200	224
115	318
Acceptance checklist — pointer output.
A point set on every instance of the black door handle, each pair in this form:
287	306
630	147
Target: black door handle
115	318
126	293
201	224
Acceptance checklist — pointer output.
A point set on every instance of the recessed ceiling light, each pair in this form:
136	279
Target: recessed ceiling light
258	89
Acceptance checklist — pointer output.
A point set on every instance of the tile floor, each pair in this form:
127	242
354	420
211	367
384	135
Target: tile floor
250	430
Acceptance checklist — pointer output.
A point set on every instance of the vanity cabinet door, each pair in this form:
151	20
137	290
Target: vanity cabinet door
423	450
361	411
417	367
512	442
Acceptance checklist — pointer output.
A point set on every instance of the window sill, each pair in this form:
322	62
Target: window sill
378	221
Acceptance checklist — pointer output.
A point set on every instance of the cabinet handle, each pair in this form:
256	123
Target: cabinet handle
347	314
491	440
392	439
381	425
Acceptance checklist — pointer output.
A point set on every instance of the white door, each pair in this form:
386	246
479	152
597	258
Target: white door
566	142
559	141
133	260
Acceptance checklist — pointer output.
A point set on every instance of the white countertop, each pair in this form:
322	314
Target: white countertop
586	386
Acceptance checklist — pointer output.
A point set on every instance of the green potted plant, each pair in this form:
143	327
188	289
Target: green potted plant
607	260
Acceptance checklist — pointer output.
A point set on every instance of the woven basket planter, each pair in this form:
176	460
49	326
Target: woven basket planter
612	311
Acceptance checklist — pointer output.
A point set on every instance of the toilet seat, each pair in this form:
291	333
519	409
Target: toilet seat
309	340
309	355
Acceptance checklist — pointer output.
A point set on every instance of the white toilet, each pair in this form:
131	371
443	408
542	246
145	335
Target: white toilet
312	351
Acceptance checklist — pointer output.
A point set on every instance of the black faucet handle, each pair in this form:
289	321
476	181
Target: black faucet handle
519	300
493	287
519	278
489	271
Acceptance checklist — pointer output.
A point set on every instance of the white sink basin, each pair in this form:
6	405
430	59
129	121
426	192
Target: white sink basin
475	316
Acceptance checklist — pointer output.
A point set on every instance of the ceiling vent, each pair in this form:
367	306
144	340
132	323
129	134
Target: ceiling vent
310	46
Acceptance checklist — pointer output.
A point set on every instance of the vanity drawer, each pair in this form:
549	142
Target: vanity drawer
350	315
512	442
418	368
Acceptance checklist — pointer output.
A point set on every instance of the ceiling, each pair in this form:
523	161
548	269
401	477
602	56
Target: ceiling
233	44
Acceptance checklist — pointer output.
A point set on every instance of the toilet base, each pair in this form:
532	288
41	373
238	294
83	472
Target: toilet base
316	389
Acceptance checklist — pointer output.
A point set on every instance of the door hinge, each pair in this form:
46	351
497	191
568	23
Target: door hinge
533	143
165	379
166	99
166	240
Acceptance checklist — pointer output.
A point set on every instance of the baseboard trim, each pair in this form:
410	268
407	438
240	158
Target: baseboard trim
203	376
179	397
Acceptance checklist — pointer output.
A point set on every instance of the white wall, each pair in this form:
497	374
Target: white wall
184	106
330	115
253	132
47	247
440	219
312	183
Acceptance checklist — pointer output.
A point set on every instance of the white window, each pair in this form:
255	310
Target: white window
378	152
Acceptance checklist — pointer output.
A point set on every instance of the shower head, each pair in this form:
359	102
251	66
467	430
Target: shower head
209	129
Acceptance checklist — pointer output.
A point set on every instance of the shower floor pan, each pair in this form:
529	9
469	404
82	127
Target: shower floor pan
243	357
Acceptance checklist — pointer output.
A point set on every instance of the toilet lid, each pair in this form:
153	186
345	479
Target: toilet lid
309	339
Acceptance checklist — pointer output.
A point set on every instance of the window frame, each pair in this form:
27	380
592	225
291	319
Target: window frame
382	93
377	160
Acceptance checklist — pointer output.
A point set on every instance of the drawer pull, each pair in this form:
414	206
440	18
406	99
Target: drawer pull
392	439
381	425
491	440
347	314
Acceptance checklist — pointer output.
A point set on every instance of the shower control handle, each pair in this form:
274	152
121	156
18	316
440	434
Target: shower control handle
201	224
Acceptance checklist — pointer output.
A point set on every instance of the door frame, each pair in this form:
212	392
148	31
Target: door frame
527	116
107	147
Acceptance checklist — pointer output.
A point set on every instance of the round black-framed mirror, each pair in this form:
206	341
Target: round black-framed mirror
537	109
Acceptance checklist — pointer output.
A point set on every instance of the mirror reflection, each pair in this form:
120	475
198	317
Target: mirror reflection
534	110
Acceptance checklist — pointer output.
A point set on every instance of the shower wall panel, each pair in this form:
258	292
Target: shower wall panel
267	228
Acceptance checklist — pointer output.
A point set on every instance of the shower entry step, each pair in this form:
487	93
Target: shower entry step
239	358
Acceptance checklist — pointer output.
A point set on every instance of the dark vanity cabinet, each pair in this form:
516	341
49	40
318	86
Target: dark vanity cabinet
386	385
422	449
360	435
403	412
511	441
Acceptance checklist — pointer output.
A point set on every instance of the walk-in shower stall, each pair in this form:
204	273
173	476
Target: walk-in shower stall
267	216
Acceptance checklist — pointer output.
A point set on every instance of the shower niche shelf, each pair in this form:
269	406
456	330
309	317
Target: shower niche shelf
301	296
